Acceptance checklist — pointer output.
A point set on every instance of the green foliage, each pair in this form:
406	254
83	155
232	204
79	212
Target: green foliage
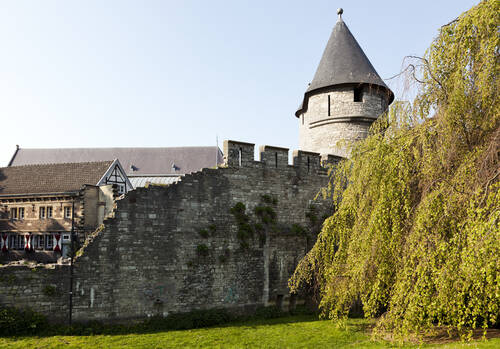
270	312
415	235
285	332
223	258
238	211
50	291
202	250
311	215
203	233
15	322
266	214
212	228
270	200
182	321
297	229
245	229
9	279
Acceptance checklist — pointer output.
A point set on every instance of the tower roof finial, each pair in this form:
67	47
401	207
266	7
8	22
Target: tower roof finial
340	11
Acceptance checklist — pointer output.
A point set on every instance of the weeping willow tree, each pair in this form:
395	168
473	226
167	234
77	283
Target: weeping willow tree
415	238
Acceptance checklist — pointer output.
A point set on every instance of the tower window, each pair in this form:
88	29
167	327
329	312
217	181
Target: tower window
358	94
329	105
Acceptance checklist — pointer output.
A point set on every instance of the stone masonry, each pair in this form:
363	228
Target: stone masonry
334	117
180	248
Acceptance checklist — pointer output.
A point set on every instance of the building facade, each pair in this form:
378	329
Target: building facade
41	204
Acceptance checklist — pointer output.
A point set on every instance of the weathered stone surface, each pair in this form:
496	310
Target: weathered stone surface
153	257
334	116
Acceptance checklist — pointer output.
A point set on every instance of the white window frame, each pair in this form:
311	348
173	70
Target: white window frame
39	242
21	242
41	212
13	213
20	213
49	242
67	211
16	242
49	212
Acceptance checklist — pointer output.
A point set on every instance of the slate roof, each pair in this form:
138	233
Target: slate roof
50	178
135	161
343	63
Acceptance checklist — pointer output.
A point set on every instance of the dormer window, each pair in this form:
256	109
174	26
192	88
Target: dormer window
358	94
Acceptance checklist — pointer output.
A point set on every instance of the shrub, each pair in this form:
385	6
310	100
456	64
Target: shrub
49	290
14	322
184	321
271	312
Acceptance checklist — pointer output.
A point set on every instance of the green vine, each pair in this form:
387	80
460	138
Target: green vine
245	229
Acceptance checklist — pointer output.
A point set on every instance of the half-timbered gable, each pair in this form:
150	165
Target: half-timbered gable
116	175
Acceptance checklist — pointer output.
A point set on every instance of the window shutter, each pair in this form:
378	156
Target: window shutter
57	242
5	242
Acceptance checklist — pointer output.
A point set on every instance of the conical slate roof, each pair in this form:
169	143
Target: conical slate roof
343	62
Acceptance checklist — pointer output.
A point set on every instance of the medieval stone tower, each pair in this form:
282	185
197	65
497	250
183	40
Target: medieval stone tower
344	98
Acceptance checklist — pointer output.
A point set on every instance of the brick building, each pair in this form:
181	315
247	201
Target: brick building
40	204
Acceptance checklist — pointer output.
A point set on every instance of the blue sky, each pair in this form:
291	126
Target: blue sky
178	73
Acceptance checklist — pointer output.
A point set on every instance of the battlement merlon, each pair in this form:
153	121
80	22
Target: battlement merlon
273	156
238	154
307	161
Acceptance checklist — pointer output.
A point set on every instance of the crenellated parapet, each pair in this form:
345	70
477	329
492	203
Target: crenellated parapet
241	154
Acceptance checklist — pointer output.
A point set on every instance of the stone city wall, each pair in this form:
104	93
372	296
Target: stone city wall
190	245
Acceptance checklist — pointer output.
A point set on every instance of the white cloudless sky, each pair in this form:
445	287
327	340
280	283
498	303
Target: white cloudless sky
100	73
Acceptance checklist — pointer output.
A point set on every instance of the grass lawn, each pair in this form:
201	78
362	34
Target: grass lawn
289	332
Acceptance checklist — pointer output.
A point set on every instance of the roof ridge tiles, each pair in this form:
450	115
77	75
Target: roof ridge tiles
62	163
